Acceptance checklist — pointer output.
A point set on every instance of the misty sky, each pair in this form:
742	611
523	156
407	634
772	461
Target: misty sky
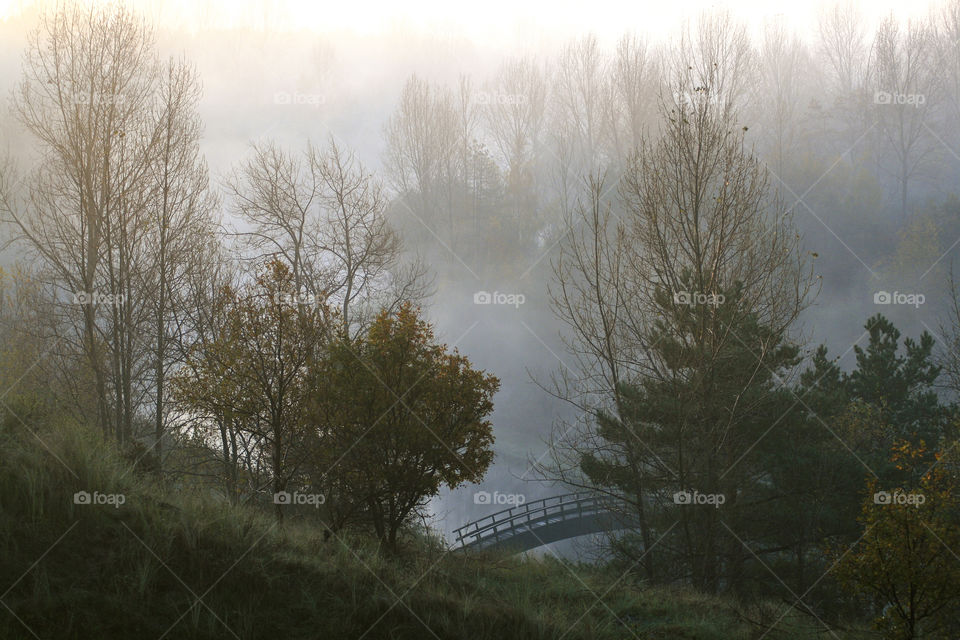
496	23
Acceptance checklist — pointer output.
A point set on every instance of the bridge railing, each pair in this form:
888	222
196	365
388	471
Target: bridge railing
508	522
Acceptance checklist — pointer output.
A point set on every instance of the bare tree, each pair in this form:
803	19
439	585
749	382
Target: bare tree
843	45
948	57
422	144
182	219
323	215
578	105
276	194
112	213
514	114
713	62
634	87
778	95
699	224
364	254
844	56
590	296
89	77
906	81
514	108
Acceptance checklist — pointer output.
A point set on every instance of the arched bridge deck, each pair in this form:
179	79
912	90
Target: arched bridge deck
541	522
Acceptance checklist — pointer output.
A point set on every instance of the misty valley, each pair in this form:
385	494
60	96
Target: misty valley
419	320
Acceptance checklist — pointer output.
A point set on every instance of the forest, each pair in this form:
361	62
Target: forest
645	335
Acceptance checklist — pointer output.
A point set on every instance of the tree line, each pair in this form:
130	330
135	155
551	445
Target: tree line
281	350
746	462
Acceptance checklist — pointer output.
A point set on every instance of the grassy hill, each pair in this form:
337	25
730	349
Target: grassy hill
175	565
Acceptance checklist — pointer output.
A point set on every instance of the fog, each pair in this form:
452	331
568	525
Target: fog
297	72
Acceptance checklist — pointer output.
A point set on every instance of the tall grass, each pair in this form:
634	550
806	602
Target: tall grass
182	565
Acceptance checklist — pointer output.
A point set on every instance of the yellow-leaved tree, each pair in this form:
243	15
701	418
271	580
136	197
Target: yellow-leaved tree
908	558
397	416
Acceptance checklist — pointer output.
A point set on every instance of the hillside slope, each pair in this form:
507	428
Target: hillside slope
174	566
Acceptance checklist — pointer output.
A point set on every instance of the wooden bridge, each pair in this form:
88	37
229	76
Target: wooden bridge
533	524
